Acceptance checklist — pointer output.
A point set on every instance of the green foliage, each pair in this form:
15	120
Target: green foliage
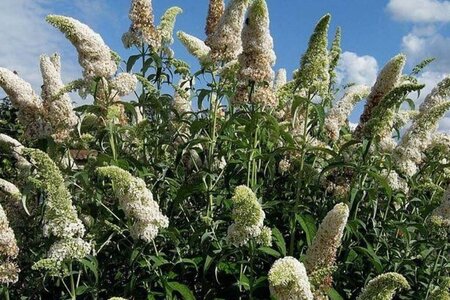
287	174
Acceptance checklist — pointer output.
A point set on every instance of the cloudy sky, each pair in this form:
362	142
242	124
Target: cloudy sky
373	32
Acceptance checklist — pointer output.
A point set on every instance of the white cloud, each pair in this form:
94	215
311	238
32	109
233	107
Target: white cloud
420	11
25	36
357	69
418	45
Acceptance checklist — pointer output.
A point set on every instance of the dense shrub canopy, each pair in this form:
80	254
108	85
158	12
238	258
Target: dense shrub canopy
228	182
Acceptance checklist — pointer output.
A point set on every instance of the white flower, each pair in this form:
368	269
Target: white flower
215	12
288	280
8	251
142	29
384	287
195	46
321	255
339	114
248	217
280	79
167	24
58	111
257	57
24	99
137	203
124	84
96	59
387	80
225	41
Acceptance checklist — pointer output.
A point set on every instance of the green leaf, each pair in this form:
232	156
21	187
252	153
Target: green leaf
334	295
131	61
183	289
279	240
270	251
308	225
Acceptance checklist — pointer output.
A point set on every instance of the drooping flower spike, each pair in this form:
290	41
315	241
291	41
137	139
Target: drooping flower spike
94	56
58	107
137	203
388	78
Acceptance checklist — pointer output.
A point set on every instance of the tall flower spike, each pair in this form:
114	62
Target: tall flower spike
439	94
335	54
215	12
288	280
417	138
321	255
26	101
248	217
137	203
196	47
280	79
96	59
314	74
384	287
60	216
58	108
381	123
225	41
388	78
142	29
167	24
8	251
339	114
257	58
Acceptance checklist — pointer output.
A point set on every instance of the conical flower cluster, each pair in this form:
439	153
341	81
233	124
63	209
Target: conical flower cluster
225	41
215	12
313	74
22	96
196	47
142	28
58	108
321	255
288	280
384	287
96	59
15	148
248	218
339	114
60	216
280	79
409	152
257	58
137	203
387	80
8	251
167	24
335	54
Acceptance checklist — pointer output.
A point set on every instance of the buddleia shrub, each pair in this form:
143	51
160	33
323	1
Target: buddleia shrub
232	181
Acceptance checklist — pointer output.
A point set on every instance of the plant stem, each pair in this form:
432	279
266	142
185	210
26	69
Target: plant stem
73	293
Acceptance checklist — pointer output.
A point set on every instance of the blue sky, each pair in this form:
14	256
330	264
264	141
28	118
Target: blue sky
373	31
